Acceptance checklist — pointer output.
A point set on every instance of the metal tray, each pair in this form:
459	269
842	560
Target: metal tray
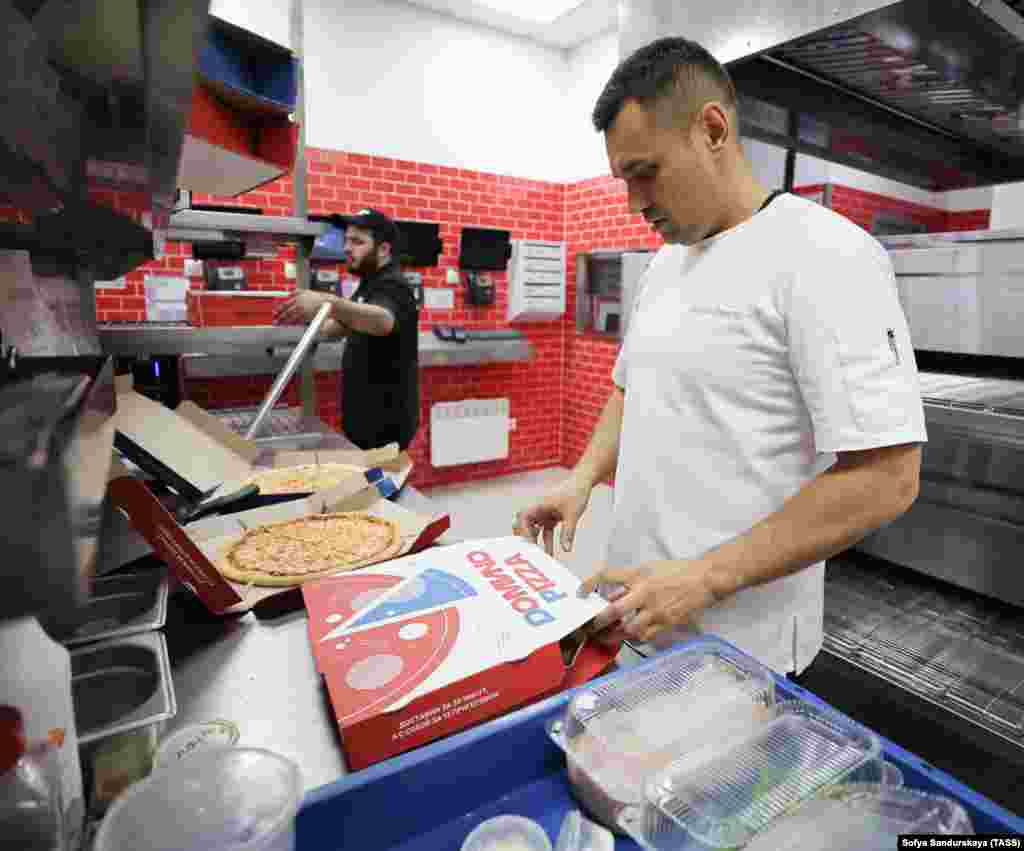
120	605
121	685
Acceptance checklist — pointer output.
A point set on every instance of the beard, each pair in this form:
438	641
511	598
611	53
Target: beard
367	266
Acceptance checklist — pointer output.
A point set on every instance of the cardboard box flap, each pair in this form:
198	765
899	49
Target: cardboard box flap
190	446
212	426
157	525
356	457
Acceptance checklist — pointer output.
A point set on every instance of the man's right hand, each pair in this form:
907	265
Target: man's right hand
565	505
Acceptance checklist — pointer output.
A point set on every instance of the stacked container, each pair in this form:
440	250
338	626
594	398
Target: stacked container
694	751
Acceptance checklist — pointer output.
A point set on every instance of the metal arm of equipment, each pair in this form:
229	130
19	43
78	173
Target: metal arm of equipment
305	346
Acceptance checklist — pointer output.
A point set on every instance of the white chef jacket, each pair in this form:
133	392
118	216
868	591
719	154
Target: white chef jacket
751	358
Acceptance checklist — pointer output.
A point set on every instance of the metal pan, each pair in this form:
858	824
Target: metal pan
121	685
120	605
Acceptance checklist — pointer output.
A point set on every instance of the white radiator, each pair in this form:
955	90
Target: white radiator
469	431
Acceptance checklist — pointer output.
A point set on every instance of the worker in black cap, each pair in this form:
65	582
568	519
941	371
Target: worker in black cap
380	397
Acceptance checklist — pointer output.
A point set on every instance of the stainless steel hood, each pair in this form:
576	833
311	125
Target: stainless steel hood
927	92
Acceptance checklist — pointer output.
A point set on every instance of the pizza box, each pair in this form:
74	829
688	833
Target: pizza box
201	459
423	646
191	551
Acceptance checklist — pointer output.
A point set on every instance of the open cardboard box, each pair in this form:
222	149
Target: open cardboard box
191	552
424	646
201	458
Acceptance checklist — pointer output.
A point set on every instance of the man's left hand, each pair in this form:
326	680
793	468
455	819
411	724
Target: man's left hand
300	308
654	597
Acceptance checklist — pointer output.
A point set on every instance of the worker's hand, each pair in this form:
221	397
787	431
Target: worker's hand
564	505
651	599
300	308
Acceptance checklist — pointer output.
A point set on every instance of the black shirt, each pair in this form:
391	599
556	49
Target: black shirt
380	388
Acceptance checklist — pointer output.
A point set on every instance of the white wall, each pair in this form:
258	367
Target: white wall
1008	206
589	67
395	80
268	18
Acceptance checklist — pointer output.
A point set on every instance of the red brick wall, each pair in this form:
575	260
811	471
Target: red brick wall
557	398
860	206
596	217
340	182
968	220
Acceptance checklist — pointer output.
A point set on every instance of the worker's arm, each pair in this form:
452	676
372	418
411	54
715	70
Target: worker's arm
332	329
369	319
863	491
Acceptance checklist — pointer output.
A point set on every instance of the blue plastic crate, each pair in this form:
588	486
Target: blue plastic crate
431	798
240	63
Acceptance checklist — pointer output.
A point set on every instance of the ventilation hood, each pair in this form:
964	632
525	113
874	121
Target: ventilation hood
926	92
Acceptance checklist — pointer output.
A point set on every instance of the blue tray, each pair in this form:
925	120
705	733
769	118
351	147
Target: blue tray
431	798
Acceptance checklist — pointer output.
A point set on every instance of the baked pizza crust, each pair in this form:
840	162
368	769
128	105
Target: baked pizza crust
303	478
339	542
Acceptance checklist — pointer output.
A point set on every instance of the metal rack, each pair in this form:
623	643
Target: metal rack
941	645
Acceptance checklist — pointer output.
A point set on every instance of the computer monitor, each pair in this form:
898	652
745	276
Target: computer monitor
484	249
420	244
330	246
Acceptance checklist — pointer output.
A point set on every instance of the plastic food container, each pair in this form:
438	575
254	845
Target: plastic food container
862	817
508	833
236	799
723	802
194	739
578	833
620	733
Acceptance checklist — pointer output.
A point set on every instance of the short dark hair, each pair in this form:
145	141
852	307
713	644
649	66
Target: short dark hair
654	73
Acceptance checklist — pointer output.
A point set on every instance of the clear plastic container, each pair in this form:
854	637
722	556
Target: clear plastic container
723	802
508	833
862	817
237	799
30	811
618	734
578	833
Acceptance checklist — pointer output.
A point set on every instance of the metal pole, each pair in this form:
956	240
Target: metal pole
304	247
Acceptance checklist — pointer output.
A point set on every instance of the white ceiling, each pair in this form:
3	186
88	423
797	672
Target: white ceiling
590	19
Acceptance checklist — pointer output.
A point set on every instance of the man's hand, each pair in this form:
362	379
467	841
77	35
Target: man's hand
300	308
653	598
564	505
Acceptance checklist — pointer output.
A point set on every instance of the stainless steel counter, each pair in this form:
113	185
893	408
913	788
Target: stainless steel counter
258	672
264	349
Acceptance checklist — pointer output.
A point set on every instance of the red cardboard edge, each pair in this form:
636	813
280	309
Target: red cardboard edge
518	684
156	524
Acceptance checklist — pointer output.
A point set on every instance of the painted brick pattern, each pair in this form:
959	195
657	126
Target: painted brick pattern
596	217
556	398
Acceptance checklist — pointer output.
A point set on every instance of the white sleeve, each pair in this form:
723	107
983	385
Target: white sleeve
850	350
620	368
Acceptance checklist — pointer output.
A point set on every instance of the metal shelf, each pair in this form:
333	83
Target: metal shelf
206	226
932	240
223	345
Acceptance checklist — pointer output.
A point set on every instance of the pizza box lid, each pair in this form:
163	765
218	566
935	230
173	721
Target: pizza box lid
190	552
187	448
197	455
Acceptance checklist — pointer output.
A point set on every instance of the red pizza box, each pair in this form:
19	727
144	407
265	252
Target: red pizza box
191	552
200	458
424	646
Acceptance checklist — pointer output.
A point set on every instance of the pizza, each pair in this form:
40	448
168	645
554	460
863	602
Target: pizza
304	478
295	551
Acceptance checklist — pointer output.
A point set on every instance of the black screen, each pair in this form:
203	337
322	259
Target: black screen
482	249
420	243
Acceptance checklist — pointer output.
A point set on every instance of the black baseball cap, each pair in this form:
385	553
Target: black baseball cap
374	221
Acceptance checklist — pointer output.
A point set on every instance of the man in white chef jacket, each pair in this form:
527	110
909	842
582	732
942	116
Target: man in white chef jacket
766	413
